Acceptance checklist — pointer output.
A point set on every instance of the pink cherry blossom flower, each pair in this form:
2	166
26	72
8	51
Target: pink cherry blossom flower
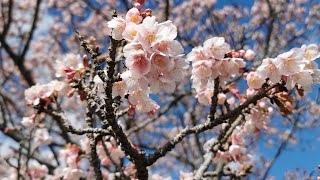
290	62
160	82
310	52
198	53
38	172
238	136
133	15
201	69
236	151
28	121
303	78
162	62
73	173
151	32
137	96
147	106
134	82
132	48
216	47
269	70
45	91
131	31
70	155
169	47
148	33
119	88
41	137
254	80
138	63
118	25
250	92
204	96
222	157
68	64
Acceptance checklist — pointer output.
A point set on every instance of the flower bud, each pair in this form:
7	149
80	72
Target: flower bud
140	1
137	5
249	55
242	52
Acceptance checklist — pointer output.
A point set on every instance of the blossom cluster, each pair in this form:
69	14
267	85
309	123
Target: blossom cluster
71	155
295	67
212	60
256	119
153	58
44	92
69	66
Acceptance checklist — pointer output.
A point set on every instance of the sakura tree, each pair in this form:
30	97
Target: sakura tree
154	89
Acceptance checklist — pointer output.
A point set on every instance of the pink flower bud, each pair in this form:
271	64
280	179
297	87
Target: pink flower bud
250	92
242	52
70	74
249	55
236	55
131	111
152	112
137	5
71	92
140	1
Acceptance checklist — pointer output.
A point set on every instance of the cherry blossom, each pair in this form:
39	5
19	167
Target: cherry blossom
255	80
38	92
118	25
310	52
133	15
28	122
269	70
290	62
68	65
38	172
216	47
210	62
41	137
149	111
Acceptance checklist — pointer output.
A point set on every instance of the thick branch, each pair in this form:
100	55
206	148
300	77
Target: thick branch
68	127
95	161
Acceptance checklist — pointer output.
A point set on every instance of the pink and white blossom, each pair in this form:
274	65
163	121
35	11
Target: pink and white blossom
269	70
216	47
68	65
290	62
310	52
118	25
255	80
249	55
134	16
42	137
